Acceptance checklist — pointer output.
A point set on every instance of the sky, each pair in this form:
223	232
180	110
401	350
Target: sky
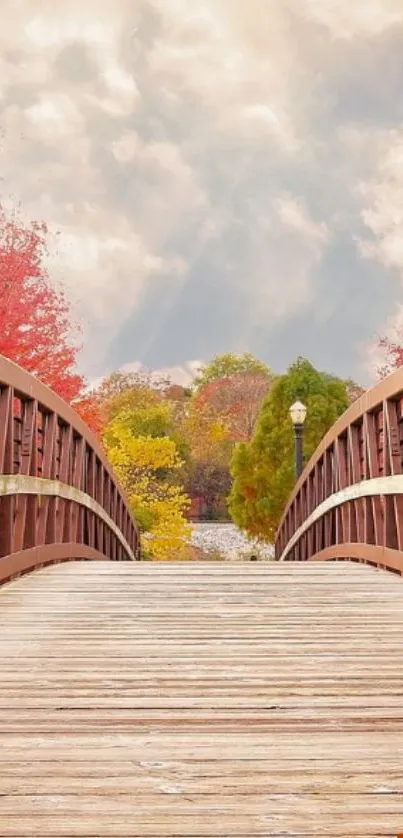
217	175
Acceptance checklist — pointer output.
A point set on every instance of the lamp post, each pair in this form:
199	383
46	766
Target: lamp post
298	416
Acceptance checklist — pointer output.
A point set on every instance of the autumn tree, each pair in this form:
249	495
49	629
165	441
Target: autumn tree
210	481
223	409
206	434
236	400
145	445
148	468
120	383
148	411
210	448
354	390
92	411
263	470
35	321
227	365
392	353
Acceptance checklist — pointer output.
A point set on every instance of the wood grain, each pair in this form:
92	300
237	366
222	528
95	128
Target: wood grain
201	700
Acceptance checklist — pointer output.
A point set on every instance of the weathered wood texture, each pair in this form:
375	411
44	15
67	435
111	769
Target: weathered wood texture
201	700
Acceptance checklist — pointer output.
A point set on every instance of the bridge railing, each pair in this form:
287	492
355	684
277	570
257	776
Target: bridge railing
59	498
348	503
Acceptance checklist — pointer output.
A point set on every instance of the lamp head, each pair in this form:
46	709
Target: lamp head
298	413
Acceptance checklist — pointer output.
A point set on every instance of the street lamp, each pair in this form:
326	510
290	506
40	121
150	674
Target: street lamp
298	416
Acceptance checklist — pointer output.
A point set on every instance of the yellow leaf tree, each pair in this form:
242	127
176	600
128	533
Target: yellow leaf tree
148	468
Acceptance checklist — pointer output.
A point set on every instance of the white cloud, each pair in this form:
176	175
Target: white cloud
124	94
183	374
167	139
293	213
127	147
362	17
383	213
54	116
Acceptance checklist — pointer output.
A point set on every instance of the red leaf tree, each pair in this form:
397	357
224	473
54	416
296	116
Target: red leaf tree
237	400
392	351
92	411
35	325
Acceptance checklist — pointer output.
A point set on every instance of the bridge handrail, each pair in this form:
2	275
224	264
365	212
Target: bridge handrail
51	460
23	383
370	400
300	506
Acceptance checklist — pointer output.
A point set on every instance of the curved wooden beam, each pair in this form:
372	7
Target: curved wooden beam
36	557
20	484
382	557
378	487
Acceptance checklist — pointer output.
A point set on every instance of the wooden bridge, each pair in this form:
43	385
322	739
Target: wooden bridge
198	699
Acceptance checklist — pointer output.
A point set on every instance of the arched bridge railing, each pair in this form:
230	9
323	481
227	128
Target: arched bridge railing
59	499
348	503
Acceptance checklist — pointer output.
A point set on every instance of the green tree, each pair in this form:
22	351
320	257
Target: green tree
263	470
229	364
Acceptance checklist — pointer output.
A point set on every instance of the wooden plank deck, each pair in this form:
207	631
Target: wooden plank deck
201	700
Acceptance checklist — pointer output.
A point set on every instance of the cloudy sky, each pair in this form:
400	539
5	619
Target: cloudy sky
223	174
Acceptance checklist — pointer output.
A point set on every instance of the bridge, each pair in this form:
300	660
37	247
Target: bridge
198	699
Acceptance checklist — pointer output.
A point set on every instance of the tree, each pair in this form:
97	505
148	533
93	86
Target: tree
206	434
120	383
263	470
210	481
354	390
35	322
222	411
148	412
392	352
92	411
229	364
236	401
148	468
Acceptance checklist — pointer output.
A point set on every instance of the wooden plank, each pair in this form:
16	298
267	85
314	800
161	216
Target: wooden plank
201	700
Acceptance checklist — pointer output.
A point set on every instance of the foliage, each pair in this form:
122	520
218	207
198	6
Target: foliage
222	411
263	470
148	413
205	435
392	351
235	401
148	468
92	412
120	383
208	480
36	329
354	390
229	364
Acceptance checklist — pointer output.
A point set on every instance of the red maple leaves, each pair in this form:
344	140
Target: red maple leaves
35	322
393	355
